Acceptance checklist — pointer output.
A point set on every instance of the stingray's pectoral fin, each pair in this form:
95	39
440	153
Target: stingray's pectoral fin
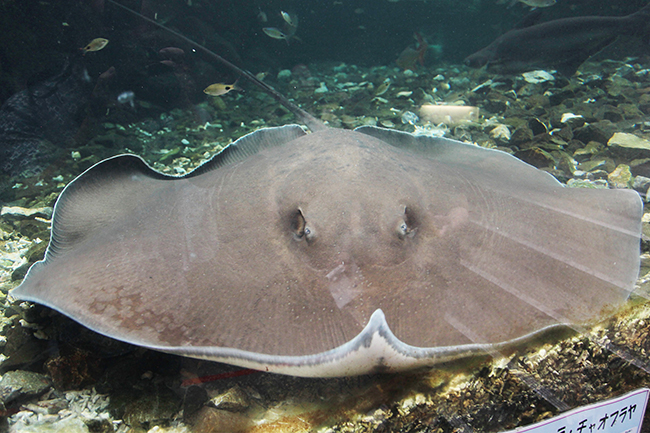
375	350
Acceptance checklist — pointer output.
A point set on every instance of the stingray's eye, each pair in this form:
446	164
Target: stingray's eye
299	227
403	230
406	227
309	234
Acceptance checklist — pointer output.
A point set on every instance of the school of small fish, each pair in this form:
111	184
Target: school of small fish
289	29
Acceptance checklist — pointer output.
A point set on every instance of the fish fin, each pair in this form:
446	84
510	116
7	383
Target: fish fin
530	19
79	202
571	65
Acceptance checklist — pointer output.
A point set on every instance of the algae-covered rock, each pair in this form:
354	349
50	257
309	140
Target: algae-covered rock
234	399
621	177
151	408
629	141
21	385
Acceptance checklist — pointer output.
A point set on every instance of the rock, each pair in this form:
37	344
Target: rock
560	96
151	408
591	132
495	106
22	385
630	111
14	213
565	134
621	177
538	76
195	399
322	89
644	103
537	126
284	74
536	157
591	148
523	134
501	133
537	101
234	399
65	425
210	420
641	184
591	164
628	141
598	175
611	113
584	183
573	120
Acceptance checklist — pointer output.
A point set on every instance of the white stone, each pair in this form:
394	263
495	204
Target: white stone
539	76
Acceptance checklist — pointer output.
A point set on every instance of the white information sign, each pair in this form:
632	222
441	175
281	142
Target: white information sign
622	414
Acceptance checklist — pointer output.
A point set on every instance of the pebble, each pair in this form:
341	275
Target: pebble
573	120
65	425
410	118
14	213
629	141
535	77
284	74
641	184
501	132
584	183
322	89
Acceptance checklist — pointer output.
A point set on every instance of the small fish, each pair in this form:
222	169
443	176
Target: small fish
275	33
410	56
261	16
94	45
261	75
171	53
383	87
287	18
219	89
127	97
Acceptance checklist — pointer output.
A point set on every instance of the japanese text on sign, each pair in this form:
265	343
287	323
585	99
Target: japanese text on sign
619	415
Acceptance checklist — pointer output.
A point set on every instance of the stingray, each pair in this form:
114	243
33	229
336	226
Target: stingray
335	252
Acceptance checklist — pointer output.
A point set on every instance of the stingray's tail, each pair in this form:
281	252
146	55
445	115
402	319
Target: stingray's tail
313	123
640	20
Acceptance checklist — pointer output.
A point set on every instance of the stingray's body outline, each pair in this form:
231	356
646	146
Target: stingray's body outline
373	347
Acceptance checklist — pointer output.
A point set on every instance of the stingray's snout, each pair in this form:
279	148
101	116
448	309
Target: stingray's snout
475	61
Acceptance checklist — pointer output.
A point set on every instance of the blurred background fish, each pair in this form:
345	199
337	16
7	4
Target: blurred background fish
261	16
531	3
275	33
410	57
126	98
